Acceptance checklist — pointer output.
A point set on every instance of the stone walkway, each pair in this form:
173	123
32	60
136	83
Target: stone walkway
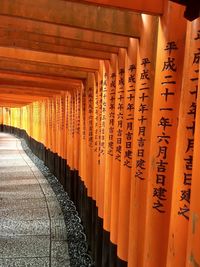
32	228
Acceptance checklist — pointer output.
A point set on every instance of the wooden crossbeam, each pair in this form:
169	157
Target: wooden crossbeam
38	68
50	58
6	104
20	90
142	6
76	15
51	48
64	34
14	102
55	83
25	97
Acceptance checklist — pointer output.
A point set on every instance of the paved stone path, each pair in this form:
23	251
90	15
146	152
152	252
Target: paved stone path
32	228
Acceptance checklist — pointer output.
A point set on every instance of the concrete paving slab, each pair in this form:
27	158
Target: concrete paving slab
58	229
10	227
60	256
31	203
25	262
24	246
32	227
25	214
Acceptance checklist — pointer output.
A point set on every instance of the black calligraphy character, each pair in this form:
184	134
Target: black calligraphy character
191	128
121	82
121	71
129	126
142	108
113	75
190	145
171	46
144	75
163	138
139	174
192	110
169	64
158	205
142	130
196	58
160	179
120	116
128	144
127	163
195	92
167	77
113	83
120	106
129	135
119	149
140	153
120	98
183	212
164	122
130	97
141	142
128	154
143	96
187	178
142	119
185	195
132	68
140	163
119	132
130	106
167	93
131	78
188	163
160	193
162	151
145	61
161	165
112	115
120	124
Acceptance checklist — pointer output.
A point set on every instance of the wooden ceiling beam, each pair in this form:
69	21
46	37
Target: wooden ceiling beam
55	83
3	102
37	68
49	58
142	6
11	104
60	50
23	97
23	90
30	84
64	34
76	15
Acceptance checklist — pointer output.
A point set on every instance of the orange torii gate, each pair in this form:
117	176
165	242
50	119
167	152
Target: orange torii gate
116	119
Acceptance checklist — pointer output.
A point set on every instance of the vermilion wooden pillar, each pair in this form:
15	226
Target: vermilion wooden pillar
127	150
168	82
193	256
110	119
118	128
145	69
180	212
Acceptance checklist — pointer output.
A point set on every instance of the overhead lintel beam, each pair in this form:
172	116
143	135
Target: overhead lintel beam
62	60
63	34
76	15
154	7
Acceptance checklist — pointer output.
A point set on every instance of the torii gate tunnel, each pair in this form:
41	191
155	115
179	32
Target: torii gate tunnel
106	94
